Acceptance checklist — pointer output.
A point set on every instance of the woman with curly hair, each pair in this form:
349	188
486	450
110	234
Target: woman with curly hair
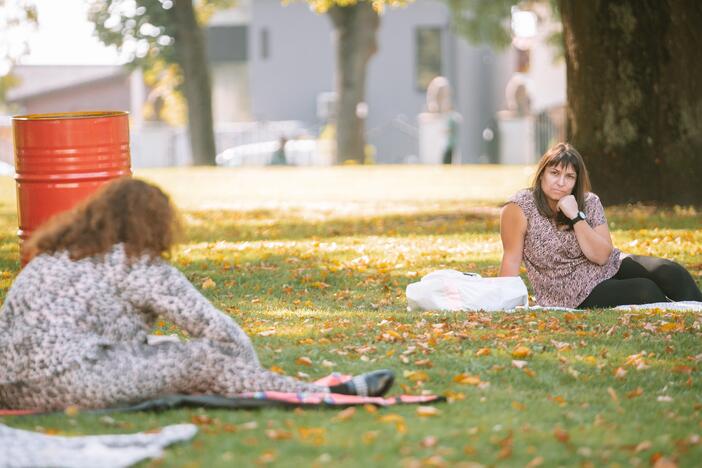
74	325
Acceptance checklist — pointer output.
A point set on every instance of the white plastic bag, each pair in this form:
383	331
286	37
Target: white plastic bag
452	290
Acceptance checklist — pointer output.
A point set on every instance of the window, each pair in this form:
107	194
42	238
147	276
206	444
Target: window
265	45
428	47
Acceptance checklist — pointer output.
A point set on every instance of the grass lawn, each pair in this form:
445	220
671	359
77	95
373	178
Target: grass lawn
314	263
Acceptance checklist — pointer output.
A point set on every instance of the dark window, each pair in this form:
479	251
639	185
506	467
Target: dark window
226	43
428	46
265	45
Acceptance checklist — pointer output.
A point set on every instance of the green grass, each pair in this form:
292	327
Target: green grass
314	262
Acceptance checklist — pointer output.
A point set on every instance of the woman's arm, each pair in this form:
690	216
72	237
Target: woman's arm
164	290
513	226
596	243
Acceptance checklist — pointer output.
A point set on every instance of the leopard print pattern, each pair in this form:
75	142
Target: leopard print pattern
75	333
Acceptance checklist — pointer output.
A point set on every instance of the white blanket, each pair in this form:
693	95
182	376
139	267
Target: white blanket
19	448
690	306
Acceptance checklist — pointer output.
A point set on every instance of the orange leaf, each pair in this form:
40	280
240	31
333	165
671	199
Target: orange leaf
208	283
346	414
467	379
635	393
483	352
303	361
521	352
561	435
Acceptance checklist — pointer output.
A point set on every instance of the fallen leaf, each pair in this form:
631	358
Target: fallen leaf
518	406
208	283
664	398
642	446
303	361
427	411
635	393
369	437
312	435
561	435
613	394
395	419
619	373
467	379
346	414
538	461
519	364
664	462
521	352
424	363
483	352
278	434
416	376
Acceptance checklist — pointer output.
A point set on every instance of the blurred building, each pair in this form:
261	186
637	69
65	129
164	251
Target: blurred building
273	70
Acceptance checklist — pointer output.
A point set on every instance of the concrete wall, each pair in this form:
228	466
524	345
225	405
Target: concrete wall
108	94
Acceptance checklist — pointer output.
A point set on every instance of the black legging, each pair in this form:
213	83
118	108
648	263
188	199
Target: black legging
643	280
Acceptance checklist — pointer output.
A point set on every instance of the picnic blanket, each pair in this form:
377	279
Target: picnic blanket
20	448
689	306
266	399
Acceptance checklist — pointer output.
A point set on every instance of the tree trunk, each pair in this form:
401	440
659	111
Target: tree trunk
190	52
635	96
355	30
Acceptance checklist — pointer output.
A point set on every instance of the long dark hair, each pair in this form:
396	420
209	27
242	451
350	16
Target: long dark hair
561	154
126	210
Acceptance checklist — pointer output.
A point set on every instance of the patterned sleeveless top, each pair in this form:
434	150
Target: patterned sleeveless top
558	270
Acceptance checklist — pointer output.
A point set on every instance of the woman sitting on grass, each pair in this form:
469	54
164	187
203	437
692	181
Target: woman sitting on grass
559	229
74	325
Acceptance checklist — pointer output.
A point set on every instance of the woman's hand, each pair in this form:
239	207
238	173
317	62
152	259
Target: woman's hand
568	205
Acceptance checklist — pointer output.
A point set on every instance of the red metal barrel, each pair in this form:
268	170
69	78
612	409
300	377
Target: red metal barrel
60	159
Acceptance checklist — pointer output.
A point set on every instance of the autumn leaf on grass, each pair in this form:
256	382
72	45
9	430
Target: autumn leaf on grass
518	406
277	369
345	415
278	434
369	437
635	393
416	376
313	435
483	352
208	283
467	379
663	462
521	352
427	411
303	361
454	396
619	373
424	363
561	435
395	419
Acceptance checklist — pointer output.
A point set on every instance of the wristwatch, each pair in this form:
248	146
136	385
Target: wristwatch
578	217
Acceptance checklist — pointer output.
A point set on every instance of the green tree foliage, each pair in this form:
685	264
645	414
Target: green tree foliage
165	39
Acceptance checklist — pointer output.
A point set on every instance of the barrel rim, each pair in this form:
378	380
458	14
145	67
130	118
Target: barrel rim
71	115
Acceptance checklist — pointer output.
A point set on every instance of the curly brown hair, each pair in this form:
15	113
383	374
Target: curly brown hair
126	210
